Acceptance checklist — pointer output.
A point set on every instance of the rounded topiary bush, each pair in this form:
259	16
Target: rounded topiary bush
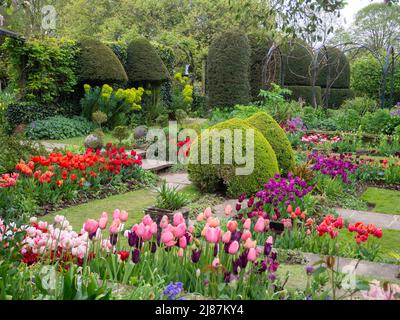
97	64
277	139
143	64
305	93
222	177
334	69
228	65
297	59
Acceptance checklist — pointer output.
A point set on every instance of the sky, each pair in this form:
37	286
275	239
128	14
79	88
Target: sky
353	6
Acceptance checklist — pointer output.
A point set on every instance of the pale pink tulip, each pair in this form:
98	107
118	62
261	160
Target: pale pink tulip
123	216
147	220
270	240
178	219
226	237
232	226
168	238
213	234
200	217
182	242
233	248
116	214
180	230
252	255
228	210
153	228
164	222
103	223
207	213
247	224
250	243
216	263
180	252
114	228
260	225
213	222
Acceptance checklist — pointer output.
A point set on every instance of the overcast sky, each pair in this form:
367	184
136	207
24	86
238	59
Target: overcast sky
353	6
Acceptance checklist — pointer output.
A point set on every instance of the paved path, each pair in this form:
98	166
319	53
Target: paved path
178	180
364	268
384	221
50	146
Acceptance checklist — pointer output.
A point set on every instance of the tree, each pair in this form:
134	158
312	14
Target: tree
377	26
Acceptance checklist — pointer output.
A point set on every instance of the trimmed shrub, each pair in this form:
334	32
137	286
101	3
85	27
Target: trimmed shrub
277	138
98	64
144	66
57	128
334	98
222	177
259	49
335	73
305	93
296	63
228	70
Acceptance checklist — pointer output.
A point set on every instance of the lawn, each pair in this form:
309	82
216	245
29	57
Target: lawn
385	201
133	202
78	141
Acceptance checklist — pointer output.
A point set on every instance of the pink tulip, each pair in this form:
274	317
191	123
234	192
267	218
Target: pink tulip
233	248
164	222
207	213
228	210
153	228
200	217
116	214
123	216
91	226
213	234
226	237
180	252
232	225
215	263
114	228
270	240
190	229
252	255
182	242
203	232
247	224
178	219
246	235
250	243
180	230
147	220
260	225
213	222
103	221
168	238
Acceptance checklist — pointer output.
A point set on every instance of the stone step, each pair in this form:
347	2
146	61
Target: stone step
155	165
381	220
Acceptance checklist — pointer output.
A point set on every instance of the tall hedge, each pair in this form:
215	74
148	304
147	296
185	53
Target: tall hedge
228	70
334	98
143	65
277	138
335	71
305	93
98	64
222	177
297	59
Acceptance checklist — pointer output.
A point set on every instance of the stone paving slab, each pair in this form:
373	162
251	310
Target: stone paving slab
176	178
381	220
364	268
155	165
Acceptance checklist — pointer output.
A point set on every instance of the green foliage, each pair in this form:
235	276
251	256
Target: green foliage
50	68
99	118
144	66
305	93
121	133
366	79
170	198
296	63
277	139
228	70
26	112
347	120
361	104
117	105
97	64
335	71
334	98
223	177
376	122
58	128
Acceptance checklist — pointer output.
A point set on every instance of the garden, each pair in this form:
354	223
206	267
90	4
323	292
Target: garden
164	160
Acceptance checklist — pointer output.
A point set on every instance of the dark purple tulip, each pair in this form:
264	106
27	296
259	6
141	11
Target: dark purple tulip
235	266
153	247
236	236
309	270
135	256
272	277
263	267
133	239
273	266
274	255
250	202
238	206
226	247
158	238
242	197
267	249
114	239
196	255
227	277
216	247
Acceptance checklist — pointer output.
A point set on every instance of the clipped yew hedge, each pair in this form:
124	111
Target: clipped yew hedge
305	93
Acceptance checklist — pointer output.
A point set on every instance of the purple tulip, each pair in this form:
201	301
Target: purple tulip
133	239
196	255
153	247
135	256
114	238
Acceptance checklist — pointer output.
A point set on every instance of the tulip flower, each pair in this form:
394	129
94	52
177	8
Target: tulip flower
228	210
213	222
226	238
135	256
233	248
115	225
196	256
213	234
91	226
216	263
180	230
178	219
163	223
260	225
252	255
247	224
183	242
246	235
200	217
207	213
232	225
180	252
103	221
123	216
168	238
289	209
250	244
116	214
297	211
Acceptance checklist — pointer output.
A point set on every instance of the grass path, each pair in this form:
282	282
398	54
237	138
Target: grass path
133	202
386	201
